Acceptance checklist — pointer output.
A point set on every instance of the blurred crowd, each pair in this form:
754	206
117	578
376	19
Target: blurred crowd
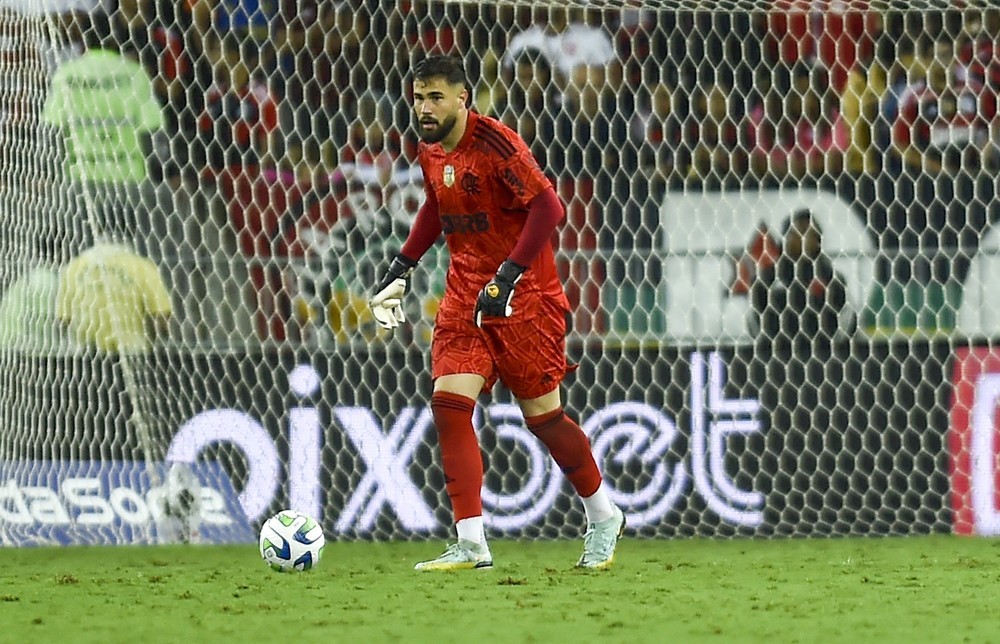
297	110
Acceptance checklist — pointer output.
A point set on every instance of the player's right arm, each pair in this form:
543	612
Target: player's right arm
387	303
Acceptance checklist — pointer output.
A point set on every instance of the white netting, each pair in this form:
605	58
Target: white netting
260	155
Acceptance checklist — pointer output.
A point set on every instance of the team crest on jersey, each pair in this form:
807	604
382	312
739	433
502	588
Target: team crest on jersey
470	183
449	175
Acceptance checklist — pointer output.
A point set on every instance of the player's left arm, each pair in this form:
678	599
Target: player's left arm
530	188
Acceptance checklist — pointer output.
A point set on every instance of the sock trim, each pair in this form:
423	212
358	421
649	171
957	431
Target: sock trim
448	400
536	423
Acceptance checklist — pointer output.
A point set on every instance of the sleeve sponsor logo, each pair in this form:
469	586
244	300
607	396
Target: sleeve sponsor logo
513	182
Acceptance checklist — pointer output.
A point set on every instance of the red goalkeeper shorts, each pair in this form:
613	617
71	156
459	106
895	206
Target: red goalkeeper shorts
528	356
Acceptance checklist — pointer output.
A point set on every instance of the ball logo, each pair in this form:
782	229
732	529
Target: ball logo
624	435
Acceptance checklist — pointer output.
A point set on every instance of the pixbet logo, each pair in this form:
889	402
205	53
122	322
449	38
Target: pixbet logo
620	432
651	435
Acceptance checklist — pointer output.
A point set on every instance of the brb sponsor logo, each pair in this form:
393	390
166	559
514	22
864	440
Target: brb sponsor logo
622	433
974	441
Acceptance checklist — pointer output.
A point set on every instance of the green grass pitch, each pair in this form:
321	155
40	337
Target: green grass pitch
913	589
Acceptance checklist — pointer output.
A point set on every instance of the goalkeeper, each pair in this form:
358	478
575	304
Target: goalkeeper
504	313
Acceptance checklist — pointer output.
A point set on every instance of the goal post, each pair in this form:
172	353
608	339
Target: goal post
778	246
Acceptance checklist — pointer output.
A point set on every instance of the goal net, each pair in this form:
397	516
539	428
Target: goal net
778	248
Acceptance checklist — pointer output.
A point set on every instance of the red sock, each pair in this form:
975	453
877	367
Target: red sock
460	456
569	448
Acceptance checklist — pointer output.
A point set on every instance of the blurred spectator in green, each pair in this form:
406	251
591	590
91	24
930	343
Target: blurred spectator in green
104	107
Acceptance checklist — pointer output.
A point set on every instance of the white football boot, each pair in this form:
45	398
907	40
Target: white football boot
600	540
464	555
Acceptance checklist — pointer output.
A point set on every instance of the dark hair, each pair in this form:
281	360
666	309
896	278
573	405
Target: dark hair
447	67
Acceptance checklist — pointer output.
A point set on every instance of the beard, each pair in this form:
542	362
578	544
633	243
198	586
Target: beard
438	134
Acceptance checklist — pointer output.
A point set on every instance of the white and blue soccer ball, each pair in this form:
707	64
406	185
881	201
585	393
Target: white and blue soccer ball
291	542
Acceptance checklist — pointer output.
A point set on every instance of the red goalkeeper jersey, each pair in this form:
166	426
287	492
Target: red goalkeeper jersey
483	188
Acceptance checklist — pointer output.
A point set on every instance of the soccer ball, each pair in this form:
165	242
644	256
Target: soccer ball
291	542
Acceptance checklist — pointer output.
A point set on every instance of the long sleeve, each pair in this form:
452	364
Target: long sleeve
544	213
426	229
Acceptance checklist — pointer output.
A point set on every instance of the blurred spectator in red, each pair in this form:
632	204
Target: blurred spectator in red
430	29
159	30
240	117
760	256
800	134
942	163
373	173
285	219
834	33
944	116
976	48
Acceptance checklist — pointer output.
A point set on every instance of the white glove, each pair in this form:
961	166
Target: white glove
387	304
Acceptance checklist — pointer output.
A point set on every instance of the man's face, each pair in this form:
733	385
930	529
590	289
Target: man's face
436	104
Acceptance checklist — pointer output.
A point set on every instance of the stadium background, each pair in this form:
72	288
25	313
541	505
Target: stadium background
270	206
